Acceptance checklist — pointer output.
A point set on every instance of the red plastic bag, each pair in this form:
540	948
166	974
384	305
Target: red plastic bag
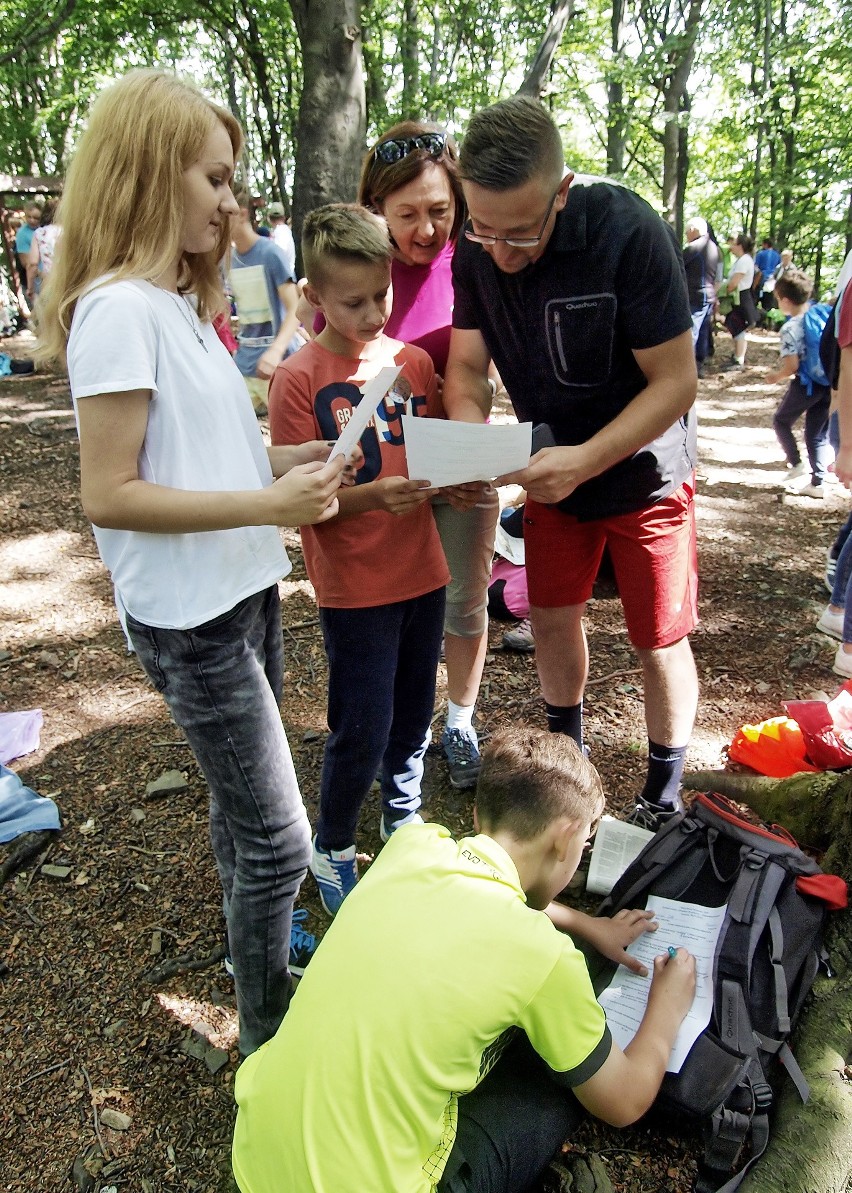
826	728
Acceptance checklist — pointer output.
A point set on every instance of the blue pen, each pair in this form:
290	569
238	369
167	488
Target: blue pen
672	951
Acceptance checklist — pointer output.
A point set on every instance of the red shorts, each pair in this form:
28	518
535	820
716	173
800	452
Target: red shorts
653	554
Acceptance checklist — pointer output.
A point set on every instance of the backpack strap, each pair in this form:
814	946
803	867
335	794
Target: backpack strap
729	1130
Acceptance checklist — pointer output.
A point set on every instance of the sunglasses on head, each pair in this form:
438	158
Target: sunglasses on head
394	151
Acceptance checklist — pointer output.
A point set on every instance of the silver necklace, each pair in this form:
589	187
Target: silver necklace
186	312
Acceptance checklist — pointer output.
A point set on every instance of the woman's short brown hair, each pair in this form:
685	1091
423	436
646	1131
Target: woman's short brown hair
380	179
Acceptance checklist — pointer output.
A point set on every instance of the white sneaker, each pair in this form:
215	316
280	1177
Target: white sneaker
817	491
842	663
831	623
794	471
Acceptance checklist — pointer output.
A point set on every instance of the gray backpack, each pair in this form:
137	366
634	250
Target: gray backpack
768	954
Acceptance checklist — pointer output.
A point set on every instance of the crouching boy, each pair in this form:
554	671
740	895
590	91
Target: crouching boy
446	1033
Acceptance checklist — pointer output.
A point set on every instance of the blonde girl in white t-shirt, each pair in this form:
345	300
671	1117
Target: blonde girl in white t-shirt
182	492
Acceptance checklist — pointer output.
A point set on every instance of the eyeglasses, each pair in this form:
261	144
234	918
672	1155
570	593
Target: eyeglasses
394	151
515	242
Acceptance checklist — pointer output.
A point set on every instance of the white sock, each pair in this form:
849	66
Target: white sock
460	716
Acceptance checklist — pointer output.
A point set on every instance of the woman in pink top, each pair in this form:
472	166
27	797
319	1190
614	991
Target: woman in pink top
411	178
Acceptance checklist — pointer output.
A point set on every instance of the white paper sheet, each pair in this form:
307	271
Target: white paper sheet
451	453
372	395
624	1000
615	846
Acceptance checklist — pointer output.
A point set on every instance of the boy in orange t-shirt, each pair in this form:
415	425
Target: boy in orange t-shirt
377	568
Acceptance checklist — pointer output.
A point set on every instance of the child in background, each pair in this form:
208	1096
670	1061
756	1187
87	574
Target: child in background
803	395
377	568
461	1057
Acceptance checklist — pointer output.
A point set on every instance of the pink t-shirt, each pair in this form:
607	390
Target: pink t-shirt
422	306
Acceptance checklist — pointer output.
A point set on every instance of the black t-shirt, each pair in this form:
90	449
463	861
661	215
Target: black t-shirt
563	330
701	259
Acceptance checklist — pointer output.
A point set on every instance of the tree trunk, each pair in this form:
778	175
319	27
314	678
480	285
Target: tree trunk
410	53
810	1149
674	95
331	124
616	117
536	79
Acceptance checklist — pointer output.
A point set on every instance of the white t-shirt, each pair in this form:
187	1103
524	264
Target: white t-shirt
743	267
202	435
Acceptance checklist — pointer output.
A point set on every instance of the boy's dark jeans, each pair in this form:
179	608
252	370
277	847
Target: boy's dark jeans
509	1127
794	404
222	682
382	665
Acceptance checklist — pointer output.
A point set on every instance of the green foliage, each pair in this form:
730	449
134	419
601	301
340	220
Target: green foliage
766	136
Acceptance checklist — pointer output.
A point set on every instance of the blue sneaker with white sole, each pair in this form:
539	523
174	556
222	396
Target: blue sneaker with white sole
336	872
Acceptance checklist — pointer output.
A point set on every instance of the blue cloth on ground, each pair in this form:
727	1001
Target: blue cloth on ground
21	809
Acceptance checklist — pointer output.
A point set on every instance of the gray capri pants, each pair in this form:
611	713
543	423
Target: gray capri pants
468	541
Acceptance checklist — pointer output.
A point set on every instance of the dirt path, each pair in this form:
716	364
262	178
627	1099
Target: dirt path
82	1032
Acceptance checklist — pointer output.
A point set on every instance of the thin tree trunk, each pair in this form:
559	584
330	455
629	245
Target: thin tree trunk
536	78
616	117
410	53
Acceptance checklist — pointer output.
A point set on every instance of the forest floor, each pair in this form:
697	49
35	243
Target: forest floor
84	1030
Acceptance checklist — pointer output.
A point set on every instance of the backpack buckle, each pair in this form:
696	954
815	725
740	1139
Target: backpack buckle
754	859
763	1096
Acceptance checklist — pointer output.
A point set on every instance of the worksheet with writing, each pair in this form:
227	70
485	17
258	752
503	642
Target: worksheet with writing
451	453
681	925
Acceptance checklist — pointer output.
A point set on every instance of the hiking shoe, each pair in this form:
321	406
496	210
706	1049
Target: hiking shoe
336	872
794	471
655	816
831	623
302	947
520	638
830	569
303	944
461	749
842	663
388	828
733	366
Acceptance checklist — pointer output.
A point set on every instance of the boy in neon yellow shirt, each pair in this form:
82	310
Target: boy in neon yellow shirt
400	1066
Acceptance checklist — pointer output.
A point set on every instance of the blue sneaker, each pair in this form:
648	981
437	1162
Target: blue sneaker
303	944
336	872
461	748
388	828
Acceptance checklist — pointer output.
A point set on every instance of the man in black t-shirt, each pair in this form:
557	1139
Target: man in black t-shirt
575	288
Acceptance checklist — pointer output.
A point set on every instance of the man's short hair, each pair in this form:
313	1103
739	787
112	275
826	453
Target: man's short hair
795	286
530	777
511	142
697	224
342	230
766	243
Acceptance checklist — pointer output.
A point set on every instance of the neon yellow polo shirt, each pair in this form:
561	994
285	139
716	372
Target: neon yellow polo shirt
431	958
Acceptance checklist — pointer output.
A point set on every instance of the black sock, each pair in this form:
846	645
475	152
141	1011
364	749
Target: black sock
665	770
566	720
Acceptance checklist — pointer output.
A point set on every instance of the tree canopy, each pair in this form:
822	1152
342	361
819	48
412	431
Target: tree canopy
730	110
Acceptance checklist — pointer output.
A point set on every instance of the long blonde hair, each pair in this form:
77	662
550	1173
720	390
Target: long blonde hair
123	209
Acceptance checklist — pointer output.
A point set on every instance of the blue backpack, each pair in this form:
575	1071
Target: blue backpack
811	371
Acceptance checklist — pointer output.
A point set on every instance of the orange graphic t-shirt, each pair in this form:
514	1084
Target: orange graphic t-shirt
372	558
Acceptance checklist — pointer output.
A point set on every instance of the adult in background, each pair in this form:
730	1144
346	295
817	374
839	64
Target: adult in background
575	287
42	249
179	486
280	233
743	315
263	286
765	264
411	178
24	239
701	262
